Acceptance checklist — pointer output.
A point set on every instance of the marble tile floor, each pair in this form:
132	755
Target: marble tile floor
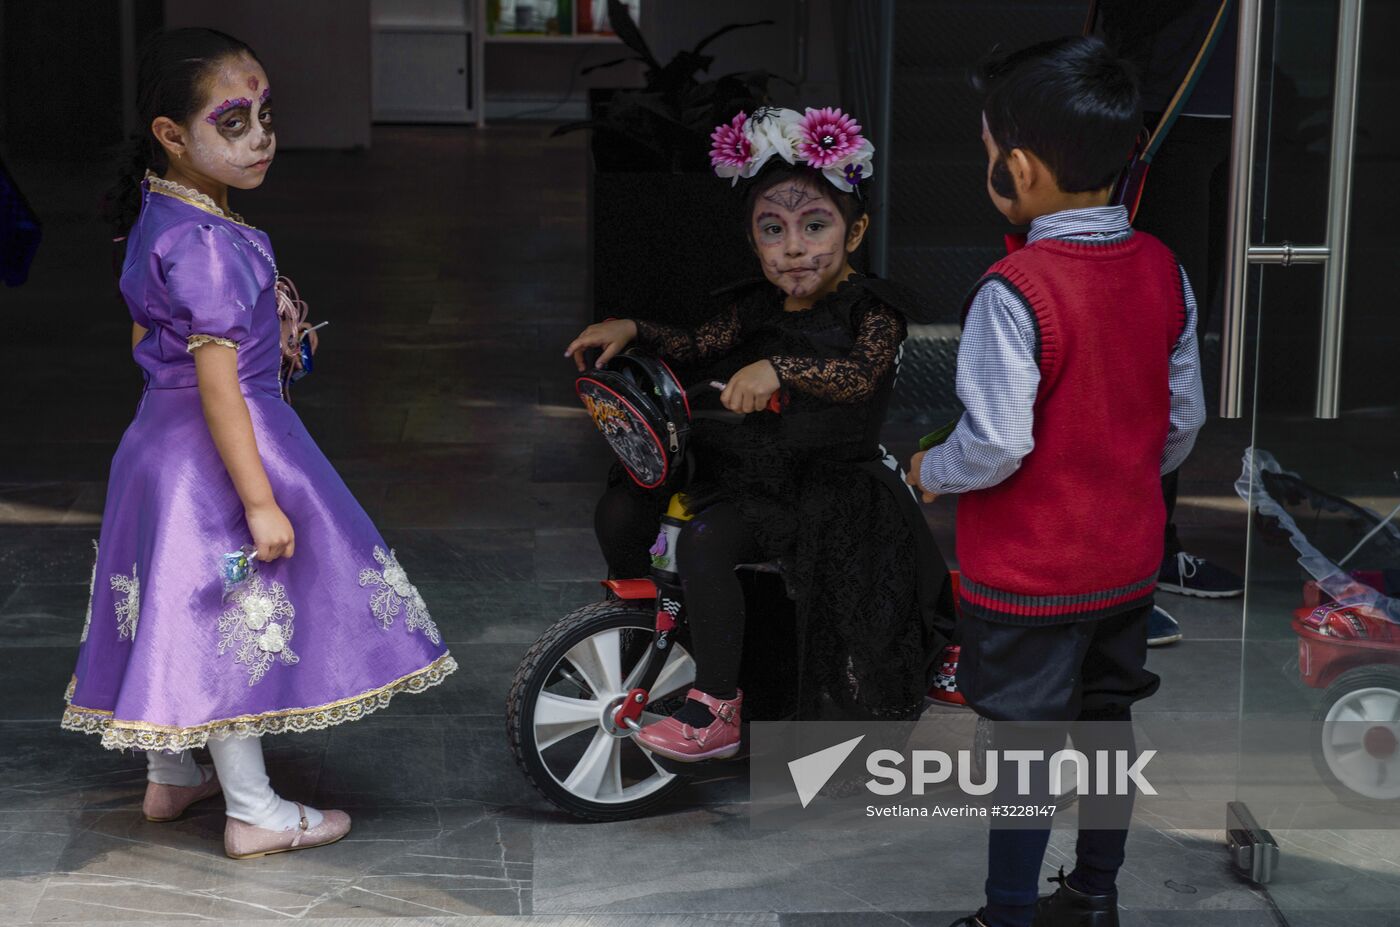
443	401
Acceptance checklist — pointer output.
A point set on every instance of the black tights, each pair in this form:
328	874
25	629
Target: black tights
711	545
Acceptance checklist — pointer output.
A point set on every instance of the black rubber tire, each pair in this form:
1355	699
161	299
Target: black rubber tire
525	687
1363	677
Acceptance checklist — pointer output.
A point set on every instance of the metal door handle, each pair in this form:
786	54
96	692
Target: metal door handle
1333	252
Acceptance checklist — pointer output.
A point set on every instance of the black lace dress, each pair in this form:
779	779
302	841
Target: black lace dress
819	493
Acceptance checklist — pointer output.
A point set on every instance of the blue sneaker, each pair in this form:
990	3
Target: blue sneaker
1185	574
1162	628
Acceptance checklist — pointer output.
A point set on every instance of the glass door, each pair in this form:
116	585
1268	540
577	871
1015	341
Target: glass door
1312	351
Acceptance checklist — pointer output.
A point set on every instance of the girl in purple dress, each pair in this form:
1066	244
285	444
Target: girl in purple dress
326	627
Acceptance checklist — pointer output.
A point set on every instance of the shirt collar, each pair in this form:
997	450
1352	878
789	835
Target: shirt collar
1108	221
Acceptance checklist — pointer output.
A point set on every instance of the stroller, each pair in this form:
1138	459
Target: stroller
1348	626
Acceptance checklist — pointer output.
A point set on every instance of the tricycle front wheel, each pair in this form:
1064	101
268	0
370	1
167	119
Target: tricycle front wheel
564	696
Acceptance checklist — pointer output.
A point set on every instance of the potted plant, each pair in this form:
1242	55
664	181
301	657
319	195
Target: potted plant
662	230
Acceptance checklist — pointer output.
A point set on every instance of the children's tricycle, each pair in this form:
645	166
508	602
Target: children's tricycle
602	672
1348	628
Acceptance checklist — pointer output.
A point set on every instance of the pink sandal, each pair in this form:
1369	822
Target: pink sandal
719	740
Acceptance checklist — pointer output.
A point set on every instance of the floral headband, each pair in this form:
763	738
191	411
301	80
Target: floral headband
826	139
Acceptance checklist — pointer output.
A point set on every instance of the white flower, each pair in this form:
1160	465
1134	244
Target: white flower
253	610
770	131
271	640
857	167
394	593
128	608
397	578
258	610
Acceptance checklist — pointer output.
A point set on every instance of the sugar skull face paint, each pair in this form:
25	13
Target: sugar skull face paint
233	144
218	112
800	238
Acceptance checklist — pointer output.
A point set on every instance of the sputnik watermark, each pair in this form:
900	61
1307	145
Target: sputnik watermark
1116	772
1158	772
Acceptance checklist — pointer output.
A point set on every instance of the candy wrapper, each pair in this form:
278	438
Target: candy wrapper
236	567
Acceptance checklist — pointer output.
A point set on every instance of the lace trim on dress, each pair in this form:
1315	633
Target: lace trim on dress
855	377
194	198
394	594
712	339
199	341
843	380
128	607
139	735
258	628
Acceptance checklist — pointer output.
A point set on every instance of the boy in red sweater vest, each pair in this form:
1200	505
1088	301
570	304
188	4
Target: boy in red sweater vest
1081	377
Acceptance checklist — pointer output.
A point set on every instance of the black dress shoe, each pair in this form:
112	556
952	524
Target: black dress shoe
972	920
1069	908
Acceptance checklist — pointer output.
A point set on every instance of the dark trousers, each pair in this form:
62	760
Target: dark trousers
1070	675
1171	544
711	545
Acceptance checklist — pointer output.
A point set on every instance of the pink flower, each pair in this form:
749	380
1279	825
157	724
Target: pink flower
826	136
730	149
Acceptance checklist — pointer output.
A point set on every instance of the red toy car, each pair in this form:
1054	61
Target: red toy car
1348	627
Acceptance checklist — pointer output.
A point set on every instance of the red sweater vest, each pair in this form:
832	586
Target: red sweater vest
1076	532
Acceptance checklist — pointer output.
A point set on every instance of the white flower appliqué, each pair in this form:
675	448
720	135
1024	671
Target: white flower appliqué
129	605
394	594
258	627
92	588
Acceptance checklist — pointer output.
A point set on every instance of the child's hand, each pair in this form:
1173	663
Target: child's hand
750	389
612	336
916	464
272	532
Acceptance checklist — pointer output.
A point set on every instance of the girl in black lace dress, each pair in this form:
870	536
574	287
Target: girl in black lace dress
811	486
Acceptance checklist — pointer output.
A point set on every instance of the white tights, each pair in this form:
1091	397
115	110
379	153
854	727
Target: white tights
248	795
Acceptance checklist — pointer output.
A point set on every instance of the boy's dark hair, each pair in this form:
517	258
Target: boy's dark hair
171	75
777	171
1070	101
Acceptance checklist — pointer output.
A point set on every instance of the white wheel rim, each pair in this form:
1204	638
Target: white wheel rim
596	776
1343	741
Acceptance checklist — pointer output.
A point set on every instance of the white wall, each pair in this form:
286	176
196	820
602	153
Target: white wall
317	56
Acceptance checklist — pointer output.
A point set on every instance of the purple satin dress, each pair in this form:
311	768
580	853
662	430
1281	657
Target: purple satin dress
168	658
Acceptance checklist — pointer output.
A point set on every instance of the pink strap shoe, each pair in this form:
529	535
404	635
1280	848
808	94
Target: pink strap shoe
719	740
168	802
244	841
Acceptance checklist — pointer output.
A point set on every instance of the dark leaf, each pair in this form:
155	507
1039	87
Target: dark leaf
679	74
727	29
620	18
759	80
609	64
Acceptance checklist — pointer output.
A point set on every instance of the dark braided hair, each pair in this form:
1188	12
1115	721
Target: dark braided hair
170	81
